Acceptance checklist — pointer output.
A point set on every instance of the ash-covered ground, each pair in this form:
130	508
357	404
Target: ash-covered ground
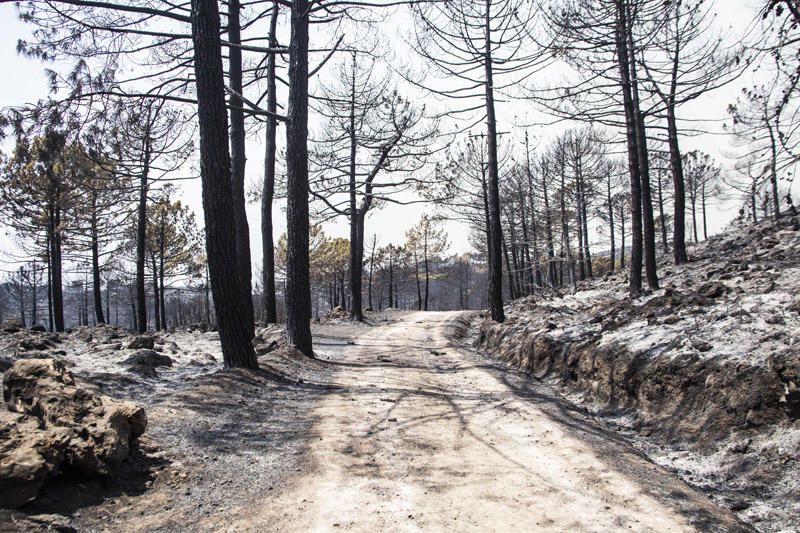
206	426
703	373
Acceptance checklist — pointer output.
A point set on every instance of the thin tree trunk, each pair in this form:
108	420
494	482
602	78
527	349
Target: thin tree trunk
55	257
551	247
703	208
269	300
416	275
156	294
207	298
773	172
622	238
649	235
579	226
427	273
679	193
371	266
141	230
661	212
587	253
391	282
635	279
238	161
161	275
495	229
611	222
511	288
34	302
49	283
96	290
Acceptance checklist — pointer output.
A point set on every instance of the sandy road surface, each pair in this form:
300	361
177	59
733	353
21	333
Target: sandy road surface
425	436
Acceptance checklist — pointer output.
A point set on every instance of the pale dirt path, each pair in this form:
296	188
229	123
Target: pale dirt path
426	437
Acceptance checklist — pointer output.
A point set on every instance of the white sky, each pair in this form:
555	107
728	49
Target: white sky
26	83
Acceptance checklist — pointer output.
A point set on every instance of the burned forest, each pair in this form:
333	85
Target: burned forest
395	265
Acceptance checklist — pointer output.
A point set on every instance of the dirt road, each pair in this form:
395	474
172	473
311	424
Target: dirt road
423	435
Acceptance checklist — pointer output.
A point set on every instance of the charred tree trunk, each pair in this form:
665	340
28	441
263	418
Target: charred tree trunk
356	221
391	282
269	300
661	213
495	229
648	223
238	161
773	172
427	273
49	282
587	252
55	257
371	267
611	222
551	248
579	227
416	276
509	272
298	287
635	281
156	294
96	291
622	238
234	322
161	292
679	185
141	230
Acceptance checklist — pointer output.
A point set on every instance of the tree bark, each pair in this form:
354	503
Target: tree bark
416	276
587	252
356	223
679	185
371	267
622	238
611	222
49	282
773	172
635	279
298	288
427	273
661	213
269	300
238	161
495	253
141	231
96	291
161	275
156	294
234	321
55	257
648	223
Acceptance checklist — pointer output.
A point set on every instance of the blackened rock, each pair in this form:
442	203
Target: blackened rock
148	358
142	341
713	289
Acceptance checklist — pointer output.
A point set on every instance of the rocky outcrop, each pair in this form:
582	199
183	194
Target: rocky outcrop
145	362
52	423
146	342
